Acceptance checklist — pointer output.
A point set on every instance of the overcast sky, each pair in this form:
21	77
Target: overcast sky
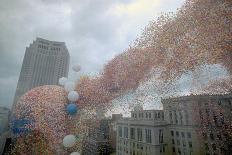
93	30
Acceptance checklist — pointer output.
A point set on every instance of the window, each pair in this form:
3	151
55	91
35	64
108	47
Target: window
148	135
173	149
172	132
161	136
189	135
182	134
173	141
120	131
178	142
162	114
184	143
206	147
179	152
190	145
140	134
176	121
180	114
170	115
125	132
132	133
177	133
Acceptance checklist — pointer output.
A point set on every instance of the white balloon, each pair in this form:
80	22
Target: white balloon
75	153
62	81
73	96
69	86
76	68
69	141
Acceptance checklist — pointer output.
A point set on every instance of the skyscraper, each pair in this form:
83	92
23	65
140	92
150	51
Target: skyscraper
43	64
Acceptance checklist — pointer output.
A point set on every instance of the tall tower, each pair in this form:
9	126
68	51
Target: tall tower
43	64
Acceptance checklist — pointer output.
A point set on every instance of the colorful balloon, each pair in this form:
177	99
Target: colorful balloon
42	110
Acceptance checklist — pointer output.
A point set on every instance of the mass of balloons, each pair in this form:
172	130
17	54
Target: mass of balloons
50	113
198	34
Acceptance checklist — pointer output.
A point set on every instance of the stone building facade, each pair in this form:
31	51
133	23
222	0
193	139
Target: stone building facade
190	125
142	134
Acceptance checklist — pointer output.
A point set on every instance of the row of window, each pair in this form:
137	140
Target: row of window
157	115
139	134
43	47
177	117
46	47
136	149
190	145
179	151
177	134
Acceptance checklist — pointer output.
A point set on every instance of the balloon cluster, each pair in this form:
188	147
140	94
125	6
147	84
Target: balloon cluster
71	109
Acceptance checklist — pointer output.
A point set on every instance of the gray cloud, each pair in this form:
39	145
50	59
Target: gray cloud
94	32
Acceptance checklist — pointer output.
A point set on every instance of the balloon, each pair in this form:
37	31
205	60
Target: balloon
73	96
76	68
69	141
71	109
41	101
69	86
62	81
75	153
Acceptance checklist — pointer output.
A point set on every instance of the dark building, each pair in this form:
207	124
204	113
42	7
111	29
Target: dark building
95	143
113	131
4	127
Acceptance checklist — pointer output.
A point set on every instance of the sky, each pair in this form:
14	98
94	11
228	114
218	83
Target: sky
94	31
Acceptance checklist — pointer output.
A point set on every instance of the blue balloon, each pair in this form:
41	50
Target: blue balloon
71	109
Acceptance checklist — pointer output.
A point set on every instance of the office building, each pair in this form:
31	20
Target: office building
43	64
190	125
142	134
